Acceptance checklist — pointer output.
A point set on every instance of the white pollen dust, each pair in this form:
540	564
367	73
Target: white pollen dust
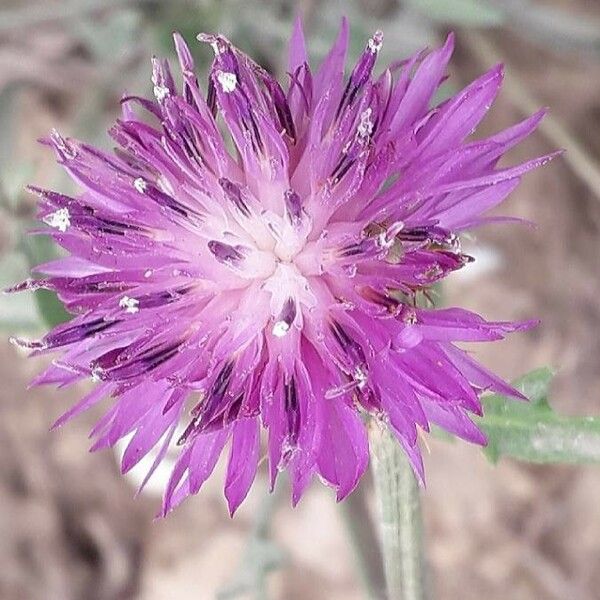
365	127
130	305
140	185
280	329
376	42
61	219
227	80
161	92
360	377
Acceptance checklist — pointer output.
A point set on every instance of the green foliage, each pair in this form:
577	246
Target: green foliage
16	314
39	249
533	432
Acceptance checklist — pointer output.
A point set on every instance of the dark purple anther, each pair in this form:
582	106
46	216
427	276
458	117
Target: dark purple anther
285	319
76	333
221	382
342	167
281	107
211	97
361	72
350	346
288	312
234	194
145	362
167	201
161	298
231	255
356	249
292	410
387	302
293	207
427	234
207	410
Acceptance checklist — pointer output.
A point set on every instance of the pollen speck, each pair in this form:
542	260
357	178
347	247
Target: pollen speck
130	305
60	219
228	81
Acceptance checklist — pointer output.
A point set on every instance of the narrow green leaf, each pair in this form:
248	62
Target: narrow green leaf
16	314
40	249
441	434
533	432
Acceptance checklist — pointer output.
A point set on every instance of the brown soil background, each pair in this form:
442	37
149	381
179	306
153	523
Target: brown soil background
70	528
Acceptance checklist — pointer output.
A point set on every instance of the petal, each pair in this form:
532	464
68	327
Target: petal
344	453
297	48
243	462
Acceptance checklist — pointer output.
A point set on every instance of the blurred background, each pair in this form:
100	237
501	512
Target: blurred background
70	527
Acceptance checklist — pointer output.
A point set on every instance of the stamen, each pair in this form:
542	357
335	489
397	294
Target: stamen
217	43
65	148
293	418
76	333
387	238
26	286
225	253
281	106
25	344
285	320
358	381
293	206
350	346
355	249
234	194
376	42
61	219
222	380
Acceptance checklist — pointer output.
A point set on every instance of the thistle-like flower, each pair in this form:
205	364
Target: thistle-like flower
250	258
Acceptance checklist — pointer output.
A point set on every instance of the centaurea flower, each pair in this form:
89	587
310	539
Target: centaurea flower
216	292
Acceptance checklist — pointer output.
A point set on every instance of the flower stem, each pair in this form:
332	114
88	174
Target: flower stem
401	526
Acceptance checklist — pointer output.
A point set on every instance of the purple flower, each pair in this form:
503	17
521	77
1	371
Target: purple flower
250	258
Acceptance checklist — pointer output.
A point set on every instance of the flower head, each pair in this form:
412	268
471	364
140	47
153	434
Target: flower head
249	258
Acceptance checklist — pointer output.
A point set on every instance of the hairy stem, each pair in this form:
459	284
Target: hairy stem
399	517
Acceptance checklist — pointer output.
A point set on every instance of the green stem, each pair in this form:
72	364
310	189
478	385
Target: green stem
401	527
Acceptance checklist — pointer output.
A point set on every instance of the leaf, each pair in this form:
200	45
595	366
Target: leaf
459	12
532	431
441	434
16	314
39	249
